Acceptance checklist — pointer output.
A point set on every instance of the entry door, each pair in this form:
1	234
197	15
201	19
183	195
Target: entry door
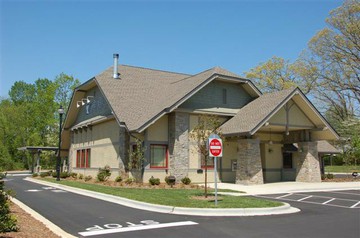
288	172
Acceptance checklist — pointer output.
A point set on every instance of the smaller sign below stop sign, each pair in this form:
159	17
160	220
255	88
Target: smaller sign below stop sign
215	147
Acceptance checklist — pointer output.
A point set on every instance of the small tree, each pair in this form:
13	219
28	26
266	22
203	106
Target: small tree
137	156
208	124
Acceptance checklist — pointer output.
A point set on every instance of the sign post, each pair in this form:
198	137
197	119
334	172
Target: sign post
215	150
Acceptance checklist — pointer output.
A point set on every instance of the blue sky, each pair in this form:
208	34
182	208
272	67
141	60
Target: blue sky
41	39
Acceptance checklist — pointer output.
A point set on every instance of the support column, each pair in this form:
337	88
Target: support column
249	168
307	163
124	146
179	145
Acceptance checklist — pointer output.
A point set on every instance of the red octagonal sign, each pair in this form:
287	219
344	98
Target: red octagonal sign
215	147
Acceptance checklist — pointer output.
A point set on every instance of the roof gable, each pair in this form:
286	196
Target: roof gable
141	95
254	115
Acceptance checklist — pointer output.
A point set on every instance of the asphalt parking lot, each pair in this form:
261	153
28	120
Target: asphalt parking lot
349	199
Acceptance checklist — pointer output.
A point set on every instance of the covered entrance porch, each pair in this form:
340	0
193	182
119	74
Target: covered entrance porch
275	138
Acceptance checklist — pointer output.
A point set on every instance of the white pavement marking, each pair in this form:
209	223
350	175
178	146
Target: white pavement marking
48	188
328	201
58	191
358	194
284	195
353	206
301	199
33	190
137	228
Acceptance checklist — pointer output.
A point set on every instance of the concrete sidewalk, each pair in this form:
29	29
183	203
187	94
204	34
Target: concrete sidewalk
287	187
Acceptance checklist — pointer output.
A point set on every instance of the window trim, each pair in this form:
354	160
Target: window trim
166	157
83	158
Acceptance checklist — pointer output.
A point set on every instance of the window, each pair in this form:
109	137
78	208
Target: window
158	156
209	164
224	96
287	160
83	158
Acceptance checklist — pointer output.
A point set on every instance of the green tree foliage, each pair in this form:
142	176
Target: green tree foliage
328	71
335	53
29	117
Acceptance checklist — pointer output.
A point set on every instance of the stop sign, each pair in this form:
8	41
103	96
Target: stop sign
215	147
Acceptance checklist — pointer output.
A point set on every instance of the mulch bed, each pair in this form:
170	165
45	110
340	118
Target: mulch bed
29	226
346	179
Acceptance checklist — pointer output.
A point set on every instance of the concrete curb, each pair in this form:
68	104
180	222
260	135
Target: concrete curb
54	228
285	209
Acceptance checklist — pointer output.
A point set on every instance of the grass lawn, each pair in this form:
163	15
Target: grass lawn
342	169
171	197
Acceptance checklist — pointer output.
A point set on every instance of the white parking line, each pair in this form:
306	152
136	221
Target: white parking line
329	201
353	206
284	196
301	199
357	194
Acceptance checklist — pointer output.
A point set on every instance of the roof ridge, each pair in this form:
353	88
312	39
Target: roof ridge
190	76
159	70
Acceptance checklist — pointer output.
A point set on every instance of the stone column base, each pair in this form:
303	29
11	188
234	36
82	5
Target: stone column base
249	168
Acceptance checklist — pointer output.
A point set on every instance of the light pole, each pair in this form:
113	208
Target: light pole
61	112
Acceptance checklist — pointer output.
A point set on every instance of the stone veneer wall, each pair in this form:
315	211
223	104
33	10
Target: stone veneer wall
123	156
179	144
249	168
307	163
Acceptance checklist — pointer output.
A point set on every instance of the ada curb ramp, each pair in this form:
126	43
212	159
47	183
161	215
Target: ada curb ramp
285	209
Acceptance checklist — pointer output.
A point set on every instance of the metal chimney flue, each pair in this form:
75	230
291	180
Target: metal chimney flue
116	73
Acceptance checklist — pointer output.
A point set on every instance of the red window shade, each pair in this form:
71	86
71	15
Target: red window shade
82	165
88	156
78	158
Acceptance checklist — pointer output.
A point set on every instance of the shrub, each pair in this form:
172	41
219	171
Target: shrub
329	176
64	175
7	221
129	180
3	175
154	181
81	176
88	178
44	174
104	173
118	179
168	181
73	175
186	180
53	174
34	175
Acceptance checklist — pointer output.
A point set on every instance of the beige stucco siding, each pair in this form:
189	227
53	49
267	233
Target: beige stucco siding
296	117
229	156
159	131
102	139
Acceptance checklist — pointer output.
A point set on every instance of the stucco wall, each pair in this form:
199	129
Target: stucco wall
103	140
296	117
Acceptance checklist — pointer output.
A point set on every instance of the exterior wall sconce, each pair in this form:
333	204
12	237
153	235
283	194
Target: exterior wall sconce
88	99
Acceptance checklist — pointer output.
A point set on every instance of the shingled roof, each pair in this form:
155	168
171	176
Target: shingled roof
255	113
142	95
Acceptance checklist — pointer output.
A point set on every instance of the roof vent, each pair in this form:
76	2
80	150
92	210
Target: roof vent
116	73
